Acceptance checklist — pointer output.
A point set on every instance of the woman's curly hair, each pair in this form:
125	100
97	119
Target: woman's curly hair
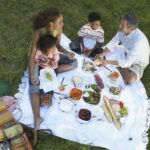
45	17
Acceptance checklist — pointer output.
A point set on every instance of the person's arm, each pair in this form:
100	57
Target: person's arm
112	62
103	54
110	46
82	43
81	34
71	55
32	56
123	63
114	42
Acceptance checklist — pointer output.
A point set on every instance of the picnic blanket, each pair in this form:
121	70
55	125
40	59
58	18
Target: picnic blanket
98	132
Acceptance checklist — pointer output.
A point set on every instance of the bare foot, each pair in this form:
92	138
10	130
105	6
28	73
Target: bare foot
37	123
35	137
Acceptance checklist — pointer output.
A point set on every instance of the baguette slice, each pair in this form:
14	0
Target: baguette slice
107	113
112	112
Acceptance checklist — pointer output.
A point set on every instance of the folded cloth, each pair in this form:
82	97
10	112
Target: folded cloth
13	131
48	80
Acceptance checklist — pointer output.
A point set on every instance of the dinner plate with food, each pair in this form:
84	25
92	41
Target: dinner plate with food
77	80
48	80
92	94
114	91
88	66
85	115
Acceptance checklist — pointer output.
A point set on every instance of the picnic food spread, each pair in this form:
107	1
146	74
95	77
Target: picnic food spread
92	96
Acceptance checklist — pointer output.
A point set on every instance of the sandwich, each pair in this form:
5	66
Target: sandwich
114	110
97	62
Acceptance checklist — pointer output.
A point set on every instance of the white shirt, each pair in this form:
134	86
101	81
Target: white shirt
136	47
90	36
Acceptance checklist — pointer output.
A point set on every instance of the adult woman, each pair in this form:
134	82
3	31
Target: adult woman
48	22
51	22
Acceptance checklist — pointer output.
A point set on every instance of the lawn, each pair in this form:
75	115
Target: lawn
16	33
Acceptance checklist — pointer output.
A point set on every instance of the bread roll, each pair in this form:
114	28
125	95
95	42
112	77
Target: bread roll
107	113
112	112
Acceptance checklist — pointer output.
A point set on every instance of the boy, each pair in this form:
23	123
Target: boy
91	36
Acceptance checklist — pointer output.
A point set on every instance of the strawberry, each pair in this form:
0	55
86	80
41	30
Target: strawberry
121	104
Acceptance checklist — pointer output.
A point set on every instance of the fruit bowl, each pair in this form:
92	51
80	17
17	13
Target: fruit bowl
84	115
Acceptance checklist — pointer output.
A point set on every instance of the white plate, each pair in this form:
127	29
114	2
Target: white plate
78	80
46	84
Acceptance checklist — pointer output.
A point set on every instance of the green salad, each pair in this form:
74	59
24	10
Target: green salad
92	94
48	76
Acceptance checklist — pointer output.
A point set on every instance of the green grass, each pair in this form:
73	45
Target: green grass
16	34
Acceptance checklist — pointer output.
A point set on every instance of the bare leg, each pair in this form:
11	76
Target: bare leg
35	102
128	76
133	78
125	74
64	67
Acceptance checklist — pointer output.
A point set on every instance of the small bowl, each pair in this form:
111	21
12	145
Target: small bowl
84	115
75	94
65	105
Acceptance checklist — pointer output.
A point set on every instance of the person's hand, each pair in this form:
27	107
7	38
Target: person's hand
53	64
33	80
71	55
103	63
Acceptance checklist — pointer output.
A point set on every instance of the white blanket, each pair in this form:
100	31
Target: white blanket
132	135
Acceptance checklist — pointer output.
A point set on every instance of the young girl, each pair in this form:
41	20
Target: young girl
46	55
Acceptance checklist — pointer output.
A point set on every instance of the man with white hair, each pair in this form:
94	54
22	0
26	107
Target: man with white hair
136	49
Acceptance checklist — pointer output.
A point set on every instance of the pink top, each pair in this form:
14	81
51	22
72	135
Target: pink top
50	60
